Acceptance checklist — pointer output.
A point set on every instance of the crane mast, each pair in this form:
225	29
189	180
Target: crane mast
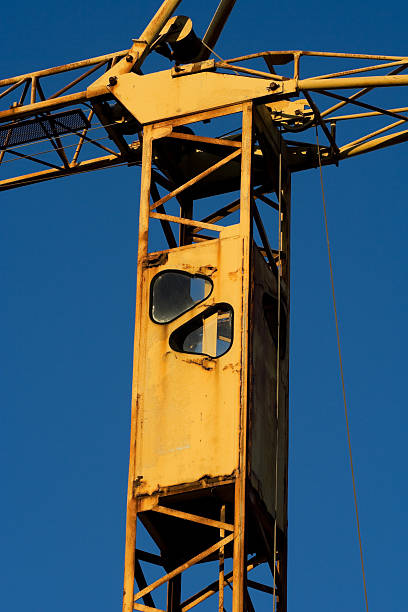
208	468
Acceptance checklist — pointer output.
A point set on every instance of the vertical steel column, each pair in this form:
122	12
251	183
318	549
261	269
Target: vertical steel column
239	565
131	516
221	558
285	240
174	594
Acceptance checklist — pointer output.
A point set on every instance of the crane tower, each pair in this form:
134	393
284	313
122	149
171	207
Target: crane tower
208	470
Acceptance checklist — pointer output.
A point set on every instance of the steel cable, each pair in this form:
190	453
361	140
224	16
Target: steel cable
277	371
23	183
38	153
341	371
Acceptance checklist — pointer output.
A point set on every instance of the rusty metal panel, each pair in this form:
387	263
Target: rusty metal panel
264	415
188	404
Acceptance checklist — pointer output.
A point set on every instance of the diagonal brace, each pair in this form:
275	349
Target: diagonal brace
193	518
186	565
196	178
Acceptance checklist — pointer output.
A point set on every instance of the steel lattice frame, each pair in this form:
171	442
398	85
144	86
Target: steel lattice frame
247	506
277	131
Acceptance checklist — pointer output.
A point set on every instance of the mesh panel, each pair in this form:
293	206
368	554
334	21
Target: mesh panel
30	130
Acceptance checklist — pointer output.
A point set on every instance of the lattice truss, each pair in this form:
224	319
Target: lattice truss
50	127
151	595
51	130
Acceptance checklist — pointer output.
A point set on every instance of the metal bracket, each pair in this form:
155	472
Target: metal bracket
206	66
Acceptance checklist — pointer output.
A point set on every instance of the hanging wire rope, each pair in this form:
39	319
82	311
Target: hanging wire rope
212	51
236	130
277	372
341	369
84	171
216	55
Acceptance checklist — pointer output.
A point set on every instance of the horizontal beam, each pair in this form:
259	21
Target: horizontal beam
143	608
18	112
202	238
205	139
261	587
202	116
350	55
293	53
391	80
108	56
149	557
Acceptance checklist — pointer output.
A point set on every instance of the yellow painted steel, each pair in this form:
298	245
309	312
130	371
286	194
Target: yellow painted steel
201	422
160	95
188	405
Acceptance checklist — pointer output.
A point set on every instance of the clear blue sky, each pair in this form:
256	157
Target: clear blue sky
68	276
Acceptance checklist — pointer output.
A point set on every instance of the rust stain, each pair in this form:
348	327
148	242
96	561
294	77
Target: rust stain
207	270
206	481
207	363
157	259
234	367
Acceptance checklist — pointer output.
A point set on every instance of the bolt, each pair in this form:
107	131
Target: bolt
113	80
129	58
272	86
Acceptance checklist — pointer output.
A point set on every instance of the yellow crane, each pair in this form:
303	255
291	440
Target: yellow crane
209	427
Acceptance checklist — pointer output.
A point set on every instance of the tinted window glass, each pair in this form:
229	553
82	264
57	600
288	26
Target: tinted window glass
209	333
173	293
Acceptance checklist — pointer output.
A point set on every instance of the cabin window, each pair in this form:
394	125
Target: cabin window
209	333
173	293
